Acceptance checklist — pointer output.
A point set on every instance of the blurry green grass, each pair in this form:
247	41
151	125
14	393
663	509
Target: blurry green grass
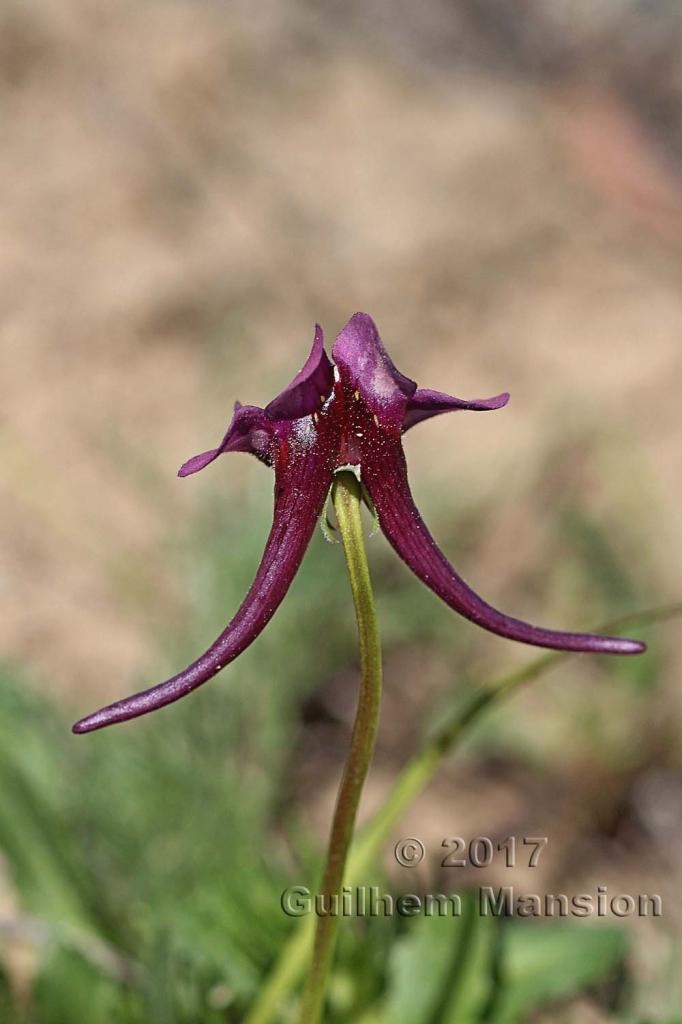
145	860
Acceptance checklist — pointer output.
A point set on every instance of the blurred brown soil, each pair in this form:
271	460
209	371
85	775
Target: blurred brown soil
187	188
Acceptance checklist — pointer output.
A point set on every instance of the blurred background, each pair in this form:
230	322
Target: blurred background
187	186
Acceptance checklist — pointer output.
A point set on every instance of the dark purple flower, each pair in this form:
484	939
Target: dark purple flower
329	418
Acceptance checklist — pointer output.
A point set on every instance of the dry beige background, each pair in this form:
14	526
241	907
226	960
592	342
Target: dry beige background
187	187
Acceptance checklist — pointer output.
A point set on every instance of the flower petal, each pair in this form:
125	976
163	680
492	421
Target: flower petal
425	404
303	478
309	389
386	480
249	431
365	367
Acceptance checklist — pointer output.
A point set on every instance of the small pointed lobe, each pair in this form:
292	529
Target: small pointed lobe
425	404
309	389
366	367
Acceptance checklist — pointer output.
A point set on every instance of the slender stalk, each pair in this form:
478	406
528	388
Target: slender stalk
347	500
413	779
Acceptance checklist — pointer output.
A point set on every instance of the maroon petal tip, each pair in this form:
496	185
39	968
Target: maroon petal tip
399	518
249	431
366	366
88	724
631	647
309	389
198	462
302	484
497	402
424	404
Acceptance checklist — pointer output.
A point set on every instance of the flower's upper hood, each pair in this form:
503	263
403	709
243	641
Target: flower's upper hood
366	387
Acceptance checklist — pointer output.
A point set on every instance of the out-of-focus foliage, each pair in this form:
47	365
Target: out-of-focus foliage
150	888
146	863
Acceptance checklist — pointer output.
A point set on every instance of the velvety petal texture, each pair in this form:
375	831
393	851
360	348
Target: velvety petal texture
250	431
309	389
303	475
366	369
401	523
324	421
425	404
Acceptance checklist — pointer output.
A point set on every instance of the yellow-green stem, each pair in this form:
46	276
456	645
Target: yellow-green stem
412	780
347	498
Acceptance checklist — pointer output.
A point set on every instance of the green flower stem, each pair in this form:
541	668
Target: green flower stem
287	972
347	498
412	780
